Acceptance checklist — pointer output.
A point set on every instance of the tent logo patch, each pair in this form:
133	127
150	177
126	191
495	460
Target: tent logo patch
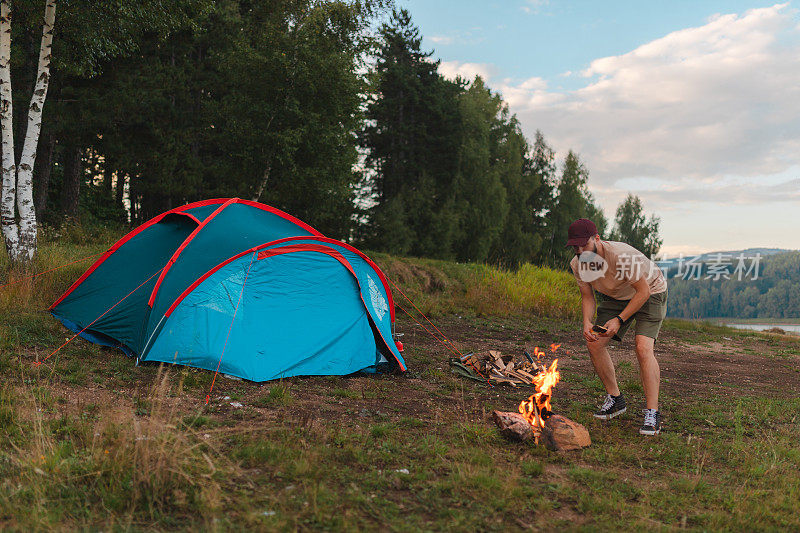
378	301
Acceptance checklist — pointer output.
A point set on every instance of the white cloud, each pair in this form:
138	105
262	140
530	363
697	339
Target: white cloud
531	93
441	39
468	36
688	111
452	69
533	6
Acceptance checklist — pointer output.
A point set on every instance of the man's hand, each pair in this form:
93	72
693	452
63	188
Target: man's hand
588	334
612	327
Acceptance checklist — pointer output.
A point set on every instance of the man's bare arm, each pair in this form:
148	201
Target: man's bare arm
638	300
587	307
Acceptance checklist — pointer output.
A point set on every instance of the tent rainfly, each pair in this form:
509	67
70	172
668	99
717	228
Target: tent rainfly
237	286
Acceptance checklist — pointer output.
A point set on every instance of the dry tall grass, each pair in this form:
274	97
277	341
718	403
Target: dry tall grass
138	461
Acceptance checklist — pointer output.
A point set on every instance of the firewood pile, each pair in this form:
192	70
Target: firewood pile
500	369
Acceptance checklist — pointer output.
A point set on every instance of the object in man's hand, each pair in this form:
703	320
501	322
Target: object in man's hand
599	329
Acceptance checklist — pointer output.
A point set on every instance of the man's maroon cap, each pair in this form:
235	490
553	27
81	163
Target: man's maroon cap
580	232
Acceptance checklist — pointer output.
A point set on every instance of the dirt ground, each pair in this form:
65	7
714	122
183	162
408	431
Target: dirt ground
693	365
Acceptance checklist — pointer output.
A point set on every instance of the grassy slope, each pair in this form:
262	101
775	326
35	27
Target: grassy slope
91	441
441	287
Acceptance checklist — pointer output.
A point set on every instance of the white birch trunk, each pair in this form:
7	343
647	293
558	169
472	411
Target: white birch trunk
9	188
25	205
263	184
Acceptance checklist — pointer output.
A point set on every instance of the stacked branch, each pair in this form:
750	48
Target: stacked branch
504	369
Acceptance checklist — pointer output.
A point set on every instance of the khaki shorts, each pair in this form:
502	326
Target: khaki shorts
648	318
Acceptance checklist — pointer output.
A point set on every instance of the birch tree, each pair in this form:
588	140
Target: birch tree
16	204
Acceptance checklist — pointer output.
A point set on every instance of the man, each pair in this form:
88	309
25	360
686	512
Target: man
630	288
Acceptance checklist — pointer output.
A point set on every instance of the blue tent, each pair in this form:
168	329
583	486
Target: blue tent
238	286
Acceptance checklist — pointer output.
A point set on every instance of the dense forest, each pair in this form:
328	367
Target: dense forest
767	288
328	110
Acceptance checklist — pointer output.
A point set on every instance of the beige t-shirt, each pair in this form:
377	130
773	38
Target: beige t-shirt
626	265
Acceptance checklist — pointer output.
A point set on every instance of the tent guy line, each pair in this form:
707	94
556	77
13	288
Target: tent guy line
447	343
228	336
98	318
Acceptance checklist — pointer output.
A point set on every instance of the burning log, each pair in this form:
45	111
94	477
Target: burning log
559	433
514	426
537	407
562	434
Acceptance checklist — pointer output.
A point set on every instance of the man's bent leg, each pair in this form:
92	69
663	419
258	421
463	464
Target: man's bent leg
648	370
601	360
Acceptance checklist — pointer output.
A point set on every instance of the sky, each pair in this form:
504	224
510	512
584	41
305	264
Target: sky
694	106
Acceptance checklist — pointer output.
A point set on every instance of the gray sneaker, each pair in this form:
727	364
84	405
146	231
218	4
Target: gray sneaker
652	422
613	406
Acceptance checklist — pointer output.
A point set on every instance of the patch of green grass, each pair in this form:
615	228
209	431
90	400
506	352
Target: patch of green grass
196	379
74	372
141	406
587	382
442	287
631	386
7	410
410	422
532	468
624	366
703	326
346	393
278	395
380	431
199	421
261	453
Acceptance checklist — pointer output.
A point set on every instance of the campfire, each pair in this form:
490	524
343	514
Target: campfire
536	409
536	419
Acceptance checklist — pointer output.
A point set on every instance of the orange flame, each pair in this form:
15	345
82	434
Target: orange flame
538	353
537	407
554	347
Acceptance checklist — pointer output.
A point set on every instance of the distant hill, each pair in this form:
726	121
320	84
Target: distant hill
770	288
735	253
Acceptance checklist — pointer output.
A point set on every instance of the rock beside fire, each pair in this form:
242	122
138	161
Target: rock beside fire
562	434
513	425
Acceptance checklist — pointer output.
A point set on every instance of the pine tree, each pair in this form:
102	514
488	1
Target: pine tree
481	195
411	140
632	227
541	201
573	201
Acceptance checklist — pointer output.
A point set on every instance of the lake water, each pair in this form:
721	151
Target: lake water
791	328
